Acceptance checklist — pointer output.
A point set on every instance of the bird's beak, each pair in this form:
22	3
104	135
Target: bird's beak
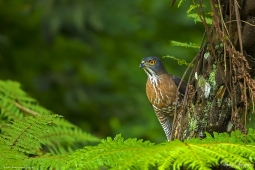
142	64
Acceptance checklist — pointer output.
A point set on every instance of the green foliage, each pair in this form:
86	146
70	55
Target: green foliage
180	3
29	130
197	18
191	13
72	56
43	140
80	58
181	44
235	150
16	104
179	61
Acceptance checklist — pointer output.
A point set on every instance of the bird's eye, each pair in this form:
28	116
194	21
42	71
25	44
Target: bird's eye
152	62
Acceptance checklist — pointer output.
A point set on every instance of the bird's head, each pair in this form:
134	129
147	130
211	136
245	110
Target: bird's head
152	66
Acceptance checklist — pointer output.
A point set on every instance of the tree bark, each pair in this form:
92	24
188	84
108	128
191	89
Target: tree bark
221	87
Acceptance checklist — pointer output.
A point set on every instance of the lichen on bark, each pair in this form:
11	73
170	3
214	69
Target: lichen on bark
220	86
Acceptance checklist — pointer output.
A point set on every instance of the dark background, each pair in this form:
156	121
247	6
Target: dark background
80	58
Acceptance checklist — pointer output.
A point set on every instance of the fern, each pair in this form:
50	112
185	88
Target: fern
197	18
192	154
43	140
180	3
21	138
46	161
181	44
179	61
63	133
29	130
193	7
15	104
106	153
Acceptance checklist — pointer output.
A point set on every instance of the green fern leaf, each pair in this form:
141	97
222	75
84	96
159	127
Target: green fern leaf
192	154
106	153
196	18
181	44
23	136
64	137
29	130
179	61
46	161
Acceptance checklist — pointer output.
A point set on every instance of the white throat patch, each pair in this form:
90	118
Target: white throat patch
154	79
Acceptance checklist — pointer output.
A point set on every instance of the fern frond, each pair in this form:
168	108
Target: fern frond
192	7
46	161
9	159
180	3
13	91
24	136
64	137
21	140
27	142
18	140
196	18
28	129
182	44
179	61
193	154
15	104
107	152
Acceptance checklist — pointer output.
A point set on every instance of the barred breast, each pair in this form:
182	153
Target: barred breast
161	92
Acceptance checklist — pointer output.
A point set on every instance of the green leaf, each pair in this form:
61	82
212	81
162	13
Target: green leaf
196	18
182	44
210	152
179	61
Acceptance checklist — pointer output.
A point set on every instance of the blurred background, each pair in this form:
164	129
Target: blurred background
80	58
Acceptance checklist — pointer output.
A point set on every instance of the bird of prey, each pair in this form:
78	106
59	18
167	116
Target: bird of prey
161	90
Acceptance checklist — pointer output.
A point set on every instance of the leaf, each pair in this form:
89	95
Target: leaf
197	18
179	61
192	154
181	44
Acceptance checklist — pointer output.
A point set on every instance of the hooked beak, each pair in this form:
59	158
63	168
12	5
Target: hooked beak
142	64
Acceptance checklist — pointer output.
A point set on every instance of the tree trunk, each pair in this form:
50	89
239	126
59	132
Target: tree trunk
221	87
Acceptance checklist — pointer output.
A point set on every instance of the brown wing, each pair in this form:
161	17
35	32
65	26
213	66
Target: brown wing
177	81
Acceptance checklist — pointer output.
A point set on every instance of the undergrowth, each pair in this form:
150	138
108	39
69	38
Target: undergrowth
33	137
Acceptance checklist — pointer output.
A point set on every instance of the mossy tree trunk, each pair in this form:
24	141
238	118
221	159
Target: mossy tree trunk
221	87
